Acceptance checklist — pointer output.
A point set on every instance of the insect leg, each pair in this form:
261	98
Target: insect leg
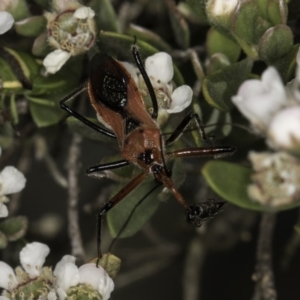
76	115
215	151
129	187
183	125
140	65
109	166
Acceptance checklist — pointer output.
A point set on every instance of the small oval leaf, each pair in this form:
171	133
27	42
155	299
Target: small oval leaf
14	228
219	87
147	202
230	181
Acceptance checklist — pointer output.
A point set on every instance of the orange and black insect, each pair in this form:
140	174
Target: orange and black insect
117	100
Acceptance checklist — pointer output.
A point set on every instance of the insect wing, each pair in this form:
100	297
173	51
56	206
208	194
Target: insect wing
108	82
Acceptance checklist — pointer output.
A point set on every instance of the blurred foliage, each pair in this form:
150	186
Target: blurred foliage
223	50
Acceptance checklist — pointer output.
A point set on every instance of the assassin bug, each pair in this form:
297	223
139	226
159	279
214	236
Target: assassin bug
115	97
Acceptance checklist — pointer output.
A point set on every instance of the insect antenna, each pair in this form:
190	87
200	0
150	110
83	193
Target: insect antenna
130	216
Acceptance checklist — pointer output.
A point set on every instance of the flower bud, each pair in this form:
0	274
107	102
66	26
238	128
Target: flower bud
219	12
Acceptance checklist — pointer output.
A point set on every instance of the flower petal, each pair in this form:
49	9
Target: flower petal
3	298
55	60
32	258
62	262
3	210
6	21
51	295
159	67
98	278
181	98
259	100
11	181
132	70
284	128
8	279
106	286
84	12
67	276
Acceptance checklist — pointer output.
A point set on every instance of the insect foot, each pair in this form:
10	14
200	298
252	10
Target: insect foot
204	211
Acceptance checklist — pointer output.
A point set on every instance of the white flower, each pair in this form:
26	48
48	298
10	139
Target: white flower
159	68
71	31
6	21
68	275
259	100
284	129
11	181
8	279
55	60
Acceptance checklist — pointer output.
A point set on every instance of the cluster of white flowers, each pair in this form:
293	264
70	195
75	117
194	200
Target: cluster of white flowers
67	281
11	181
159	68
274	112
272	108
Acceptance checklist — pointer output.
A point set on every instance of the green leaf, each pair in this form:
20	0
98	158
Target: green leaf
105	15
219	87
31	27
149	37
190	14
286	64
217	62
179	26
77	126
3	240
244	22
277	11
118	216
219	43
19	10
276	42
230	181
16	66
43	113
41	46
198	6
14	228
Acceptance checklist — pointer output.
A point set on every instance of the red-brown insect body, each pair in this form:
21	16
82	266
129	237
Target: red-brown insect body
120	107
143	145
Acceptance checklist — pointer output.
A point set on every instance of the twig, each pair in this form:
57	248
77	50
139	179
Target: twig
292	246
193	270
73	228
264	277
